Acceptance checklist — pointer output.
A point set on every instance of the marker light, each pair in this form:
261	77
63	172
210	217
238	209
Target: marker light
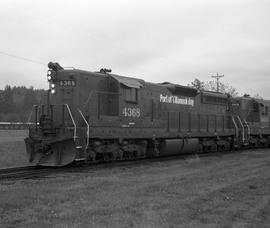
52	86
49	77
53	91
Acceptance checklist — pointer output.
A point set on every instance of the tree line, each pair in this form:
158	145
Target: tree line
212	86
223	88
16	102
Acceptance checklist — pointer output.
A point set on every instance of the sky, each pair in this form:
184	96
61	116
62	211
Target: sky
171	40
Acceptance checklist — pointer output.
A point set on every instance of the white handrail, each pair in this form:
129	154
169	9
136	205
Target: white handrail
247	127
30	115
72	119
235	125
243	132
87	133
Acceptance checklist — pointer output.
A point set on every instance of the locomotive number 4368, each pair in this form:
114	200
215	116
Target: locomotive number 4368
131	112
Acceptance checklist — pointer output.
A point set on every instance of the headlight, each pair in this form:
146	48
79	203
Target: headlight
51	76
53	91
52	86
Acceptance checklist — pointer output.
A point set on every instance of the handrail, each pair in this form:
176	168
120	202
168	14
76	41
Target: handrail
236	127
243	132
70	114
88	99
72	119
87	140
246	123
30	115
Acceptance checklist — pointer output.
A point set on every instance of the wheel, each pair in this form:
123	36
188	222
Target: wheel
92	155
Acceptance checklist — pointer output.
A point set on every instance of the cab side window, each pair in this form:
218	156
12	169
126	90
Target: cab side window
255	107
265	110
131	94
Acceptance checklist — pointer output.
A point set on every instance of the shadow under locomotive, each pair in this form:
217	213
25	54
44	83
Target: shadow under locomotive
103	116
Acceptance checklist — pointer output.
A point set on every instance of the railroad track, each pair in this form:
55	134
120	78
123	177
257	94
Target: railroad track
31	172
23	172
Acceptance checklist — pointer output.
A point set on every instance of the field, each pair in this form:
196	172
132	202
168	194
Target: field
230	190
12	148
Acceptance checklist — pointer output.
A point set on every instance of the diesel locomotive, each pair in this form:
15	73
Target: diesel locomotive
94	116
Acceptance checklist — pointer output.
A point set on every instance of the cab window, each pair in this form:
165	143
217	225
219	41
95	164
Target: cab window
131	94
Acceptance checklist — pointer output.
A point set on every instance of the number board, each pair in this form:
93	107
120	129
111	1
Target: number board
66	83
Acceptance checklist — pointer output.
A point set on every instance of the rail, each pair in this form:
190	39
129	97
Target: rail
23	172
242	126
35	107
38	112
87	140
246	123
73	121
236	127
31	112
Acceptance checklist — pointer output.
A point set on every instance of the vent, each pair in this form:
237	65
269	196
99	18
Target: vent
214	98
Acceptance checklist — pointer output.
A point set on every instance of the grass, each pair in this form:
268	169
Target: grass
162	194
12	148
231	190
193	159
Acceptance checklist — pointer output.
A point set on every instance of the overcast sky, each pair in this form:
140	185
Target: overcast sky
171	40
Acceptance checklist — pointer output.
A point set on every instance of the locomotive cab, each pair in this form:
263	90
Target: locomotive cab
119	98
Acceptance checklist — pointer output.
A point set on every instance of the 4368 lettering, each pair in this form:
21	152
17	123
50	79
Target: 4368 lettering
131	112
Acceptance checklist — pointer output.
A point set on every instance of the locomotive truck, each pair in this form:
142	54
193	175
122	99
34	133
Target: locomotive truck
94	116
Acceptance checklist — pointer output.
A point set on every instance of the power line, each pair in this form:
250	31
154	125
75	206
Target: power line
217	77
22	58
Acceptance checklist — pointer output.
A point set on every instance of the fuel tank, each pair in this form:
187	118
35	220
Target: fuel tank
179	146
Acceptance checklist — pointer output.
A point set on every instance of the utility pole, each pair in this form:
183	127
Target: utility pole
217	77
